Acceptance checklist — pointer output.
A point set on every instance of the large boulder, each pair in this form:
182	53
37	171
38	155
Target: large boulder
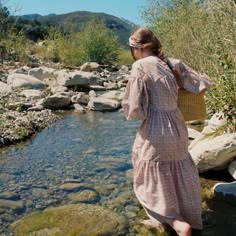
73	219
56	101
103	104
208	131
4	88
77	78
16	80
214	152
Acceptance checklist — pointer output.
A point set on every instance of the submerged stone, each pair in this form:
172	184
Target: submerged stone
85	196
75	219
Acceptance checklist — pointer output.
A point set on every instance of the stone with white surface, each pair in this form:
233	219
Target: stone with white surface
116	95
4	88
103	104
77	78
16	80
42	73
32	94
214	152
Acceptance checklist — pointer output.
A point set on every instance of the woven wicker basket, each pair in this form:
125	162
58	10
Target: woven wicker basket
192	105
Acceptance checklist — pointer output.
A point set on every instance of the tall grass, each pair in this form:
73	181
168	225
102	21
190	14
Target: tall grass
203	34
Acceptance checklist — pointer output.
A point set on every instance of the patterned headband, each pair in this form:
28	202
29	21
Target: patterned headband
134	44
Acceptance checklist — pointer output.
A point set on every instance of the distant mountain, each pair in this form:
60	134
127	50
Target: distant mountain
33	16
121	27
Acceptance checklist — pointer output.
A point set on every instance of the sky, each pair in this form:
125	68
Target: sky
127	9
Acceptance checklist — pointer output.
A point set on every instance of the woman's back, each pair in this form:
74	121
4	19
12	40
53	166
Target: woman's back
159	81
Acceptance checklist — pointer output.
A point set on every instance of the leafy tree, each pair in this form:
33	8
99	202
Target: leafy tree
97	43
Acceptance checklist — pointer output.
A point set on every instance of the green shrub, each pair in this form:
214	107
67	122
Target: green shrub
17	46
94	43
98	43
50	47
203	34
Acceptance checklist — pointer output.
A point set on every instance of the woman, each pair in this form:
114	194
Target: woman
166	180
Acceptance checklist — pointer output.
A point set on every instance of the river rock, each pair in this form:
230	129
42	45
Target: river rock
78	78
214	153
56	101
103	104
20	106
32	94
85	196
110	85
74	219
80	98
41	193
232	169
124	69
78	108
115	95
97	88
16	206
192	133
226	191
36	108
121	84
59	89
42	73
16	80
4	88
90	67
72	187
92	94
3	77
9	196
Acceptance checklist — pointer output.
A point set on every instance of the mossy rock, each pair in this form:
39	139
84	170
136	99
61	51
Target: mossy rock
72	220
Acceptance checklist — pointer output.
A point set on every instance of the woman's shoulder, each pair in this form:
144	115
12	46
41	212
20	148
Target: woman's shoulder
145	62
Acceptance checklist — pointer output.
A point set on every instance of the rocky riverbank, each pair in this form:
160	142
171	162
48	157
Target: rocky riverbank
29	96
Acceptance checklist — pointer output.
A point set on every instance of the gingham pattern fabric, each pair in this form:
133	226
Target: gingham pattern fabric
166	180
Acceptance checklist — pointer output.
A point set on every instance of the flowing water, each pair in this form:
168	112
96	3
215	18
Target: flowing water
92	149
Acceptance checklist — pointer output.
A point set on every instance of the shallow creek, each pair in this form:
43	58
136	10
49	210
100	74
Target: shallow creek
92	150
